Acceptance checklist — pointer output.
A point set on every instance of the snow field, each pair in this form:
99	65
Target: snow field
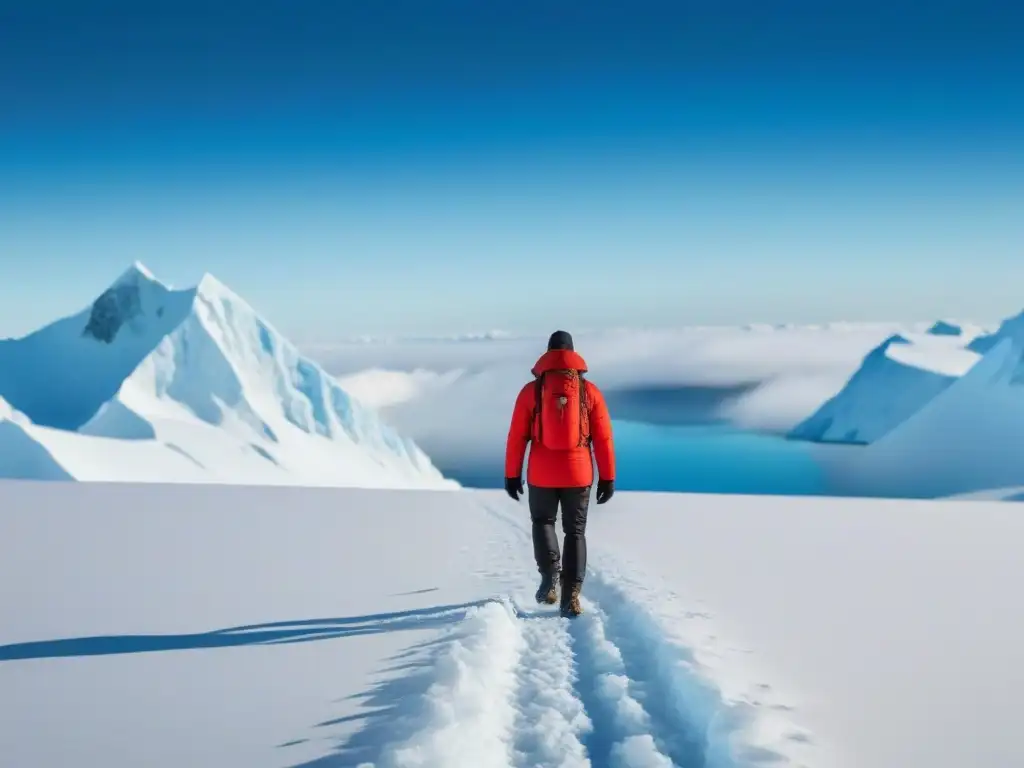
322	628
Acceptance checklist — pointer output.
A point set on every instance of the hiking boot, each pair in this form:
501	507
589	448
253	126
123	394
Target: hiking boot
547	592
571	606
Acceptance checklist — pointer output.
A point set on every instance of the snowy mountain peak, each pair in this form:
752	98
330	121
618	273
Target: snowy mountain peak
199	374
210	286
945	328
135	301
229	368
883	348
136	273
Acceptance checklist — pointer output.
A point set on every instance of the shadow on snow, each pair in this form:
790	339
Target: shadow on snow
391	708
255	634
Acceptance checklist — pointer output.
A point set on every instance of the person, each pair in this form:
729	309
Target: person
564	419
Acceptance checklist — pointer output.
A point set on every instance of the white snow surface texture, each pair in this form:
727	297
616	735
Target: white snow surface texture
155	384
248	627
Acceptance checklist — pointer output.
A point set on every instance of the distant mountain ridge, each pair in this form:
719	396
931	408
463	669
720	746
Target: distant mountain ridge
902	376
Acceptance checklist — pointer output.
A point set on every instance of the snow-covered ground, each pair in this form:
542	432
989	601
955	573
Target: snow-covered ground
221	626
154	384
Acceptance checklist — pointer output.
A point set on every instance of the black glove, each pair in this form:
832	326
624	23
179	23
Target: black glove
605	490
514	487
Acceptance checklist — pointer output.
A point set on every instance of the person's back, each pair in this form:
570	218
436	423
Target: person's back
564	419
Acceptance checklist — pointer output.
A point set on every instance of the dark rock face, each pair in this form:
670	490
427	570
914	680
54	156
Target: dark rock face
115	307
942	328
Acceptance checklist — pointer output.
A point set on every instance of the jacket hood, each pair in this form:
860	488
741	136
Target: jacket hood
559	359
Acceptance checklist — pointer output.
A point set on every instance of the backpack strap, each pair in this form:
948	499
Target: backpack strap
585	437
538	422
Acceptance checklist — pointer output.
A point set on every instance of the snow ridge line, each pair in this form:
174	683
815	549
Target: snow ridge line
468	715
622	736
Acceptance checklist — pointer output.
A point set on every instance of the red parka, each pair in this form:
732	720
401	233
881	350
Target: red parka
573	468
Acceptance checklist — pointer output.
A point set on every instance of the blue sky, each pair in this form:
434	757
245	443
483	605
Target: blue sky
435	167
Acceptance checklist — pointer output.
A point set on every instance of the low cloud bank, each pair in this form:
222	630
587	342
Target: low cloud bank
455	396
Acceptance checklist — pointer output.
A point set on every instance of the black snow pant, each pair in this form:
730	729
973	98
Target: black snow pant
544	503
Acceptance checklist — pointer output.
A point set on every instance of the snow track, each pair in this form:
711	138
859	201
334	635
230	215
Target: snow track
552	719
527	688
469	713
622	733
520	687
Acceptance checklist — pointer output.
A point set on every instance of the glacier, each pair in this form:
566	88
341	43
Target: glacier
968	439
1011	328
155	384
896	379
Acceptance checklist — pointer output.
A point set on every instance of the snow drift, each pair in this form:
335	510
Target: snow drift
151	383
896	380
